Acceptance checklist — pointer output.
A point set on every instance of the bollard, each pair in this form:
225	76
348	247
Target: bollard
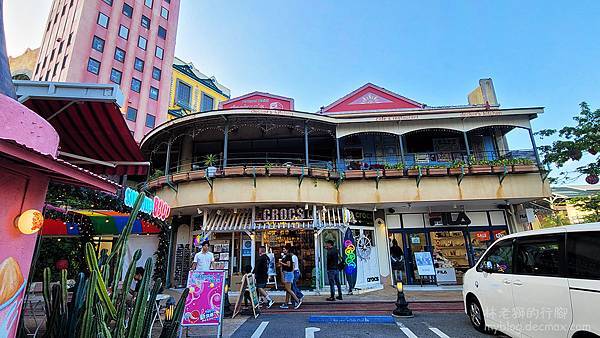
402	309
227	312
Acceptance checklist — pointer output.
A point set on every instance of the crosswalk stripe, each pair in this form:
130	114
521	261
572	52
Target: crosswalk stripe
439	332
406	330
259	330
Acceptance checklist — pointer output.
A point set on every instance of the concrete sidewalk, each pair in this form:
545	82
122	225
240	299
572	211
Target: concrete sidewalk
386	294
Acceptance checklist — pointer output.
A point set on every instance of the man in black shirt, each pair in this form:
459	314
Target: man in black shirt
261	273
333	272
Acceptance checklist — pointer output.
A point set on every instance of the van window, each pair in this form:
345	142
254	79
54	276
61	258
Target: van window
583	250
501	255
540	255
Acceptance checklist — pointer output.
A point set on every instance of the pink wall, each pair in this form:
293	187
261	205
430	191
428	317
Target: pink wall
22	189
81	20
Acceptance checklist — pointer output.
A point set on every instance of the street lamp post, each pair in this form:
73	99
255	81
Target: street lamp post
402	309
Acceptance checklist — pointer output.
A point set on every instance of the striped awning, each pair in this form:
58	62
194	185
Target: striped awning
104	222
228	220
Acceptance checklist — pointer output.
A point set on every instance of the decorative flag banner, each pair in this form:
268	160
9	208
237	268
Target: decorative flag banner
203	305
349	256
104	222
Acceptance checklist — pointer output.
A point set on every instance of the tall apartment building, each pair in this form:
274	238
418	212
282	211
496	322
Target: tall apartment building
127	42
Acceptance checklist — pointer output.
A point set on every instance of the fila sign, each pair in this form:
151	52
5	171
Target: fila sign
155	207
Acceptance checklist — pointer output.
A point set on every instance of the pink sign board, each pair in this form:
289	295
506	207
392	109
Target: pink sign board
259	101
203	303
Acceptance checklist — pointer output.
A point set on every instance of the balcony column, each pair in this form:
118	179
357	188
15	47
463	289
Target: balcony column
338	158
187	156
467	146
225	142
535	149
168	159
306	143
401	141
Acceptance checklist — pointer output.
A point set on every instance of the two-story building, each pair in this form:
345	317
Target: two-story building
192	91
406	178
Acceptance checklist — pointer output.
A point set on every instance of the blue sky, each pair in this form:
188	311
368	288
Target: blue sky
539	53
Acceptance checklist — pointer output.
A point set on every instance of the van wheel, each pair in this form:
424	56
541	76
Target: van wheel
476	315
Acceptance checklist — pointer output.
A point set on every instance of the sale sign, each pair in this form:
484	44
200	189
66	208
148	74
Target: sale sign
203	305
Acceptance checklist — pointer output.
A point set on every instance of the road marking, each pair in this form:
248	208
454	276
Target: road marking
260	329
309	332
435	330
406	330
439	332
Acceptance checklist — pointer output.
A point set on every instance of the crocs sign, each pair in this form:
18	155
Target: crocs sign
155	207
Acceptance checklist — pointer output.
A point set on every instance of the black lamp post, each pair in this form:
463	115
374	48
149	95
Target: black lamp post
402	309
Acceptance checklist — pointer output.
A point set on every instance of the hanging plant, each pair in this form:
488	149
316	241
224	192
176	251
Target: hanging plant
592	179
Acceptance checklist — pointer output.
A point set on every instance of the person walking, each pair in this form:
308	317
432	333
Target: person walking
296	265
261	271
203	259
333	272
397	260
287	268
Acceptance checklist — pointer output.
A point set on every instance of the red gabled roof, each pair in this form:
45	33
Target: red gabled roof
371	98
260	100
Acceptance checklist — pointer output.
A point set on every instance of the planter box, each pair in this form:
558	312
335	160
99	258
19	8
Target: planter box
278	171
354	174
393	173
260	171
234	171
181	177
458	171
480	169
152	184
525	168
372	173
319	173
415	172
196	175
499	169
297	171
437	171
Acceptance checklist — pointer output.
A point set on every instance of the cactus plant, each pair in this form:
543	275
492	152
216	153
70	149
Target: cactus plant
99	303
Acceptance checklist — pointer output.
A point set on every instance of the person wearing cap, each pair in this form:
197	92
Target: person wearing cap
203	259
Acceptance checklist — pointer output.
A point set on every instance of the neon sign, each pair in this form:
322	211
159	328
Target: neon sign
350	252
155	207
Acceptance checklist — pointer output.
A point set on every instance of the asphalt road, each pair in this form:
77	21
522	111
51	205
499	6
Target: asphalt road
297	325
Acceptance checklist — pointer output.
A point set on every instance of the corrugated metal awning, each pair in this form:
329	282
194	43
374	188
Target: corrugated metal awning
228	220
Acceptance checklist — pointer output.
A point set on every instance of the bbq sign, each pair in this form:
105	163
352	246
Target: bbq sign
155	207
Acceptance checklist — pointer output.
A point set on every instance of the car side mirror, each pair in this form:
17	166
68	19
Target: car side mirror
488	267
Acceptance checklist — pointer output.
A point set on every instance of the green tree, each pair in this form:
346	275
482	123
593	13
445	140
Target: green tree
574	140
590	204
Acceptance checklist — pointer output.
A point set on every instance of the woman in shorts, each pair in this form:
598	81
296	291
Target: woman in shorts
287	268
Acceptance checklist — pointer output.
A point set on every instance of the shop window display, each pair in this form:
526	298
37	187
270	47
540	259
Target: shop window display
300	240
450	252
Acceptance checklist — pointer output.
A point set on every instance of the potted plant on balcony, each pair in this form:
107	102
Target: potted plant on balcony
237	170
479	166
524	165
209	161
437	170
396	170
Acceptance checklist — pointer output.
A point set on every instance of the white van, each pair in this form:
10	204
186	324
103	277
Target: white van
541	283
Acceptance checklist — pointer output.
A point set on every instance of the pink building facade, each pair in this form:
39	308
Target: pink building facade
127	42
